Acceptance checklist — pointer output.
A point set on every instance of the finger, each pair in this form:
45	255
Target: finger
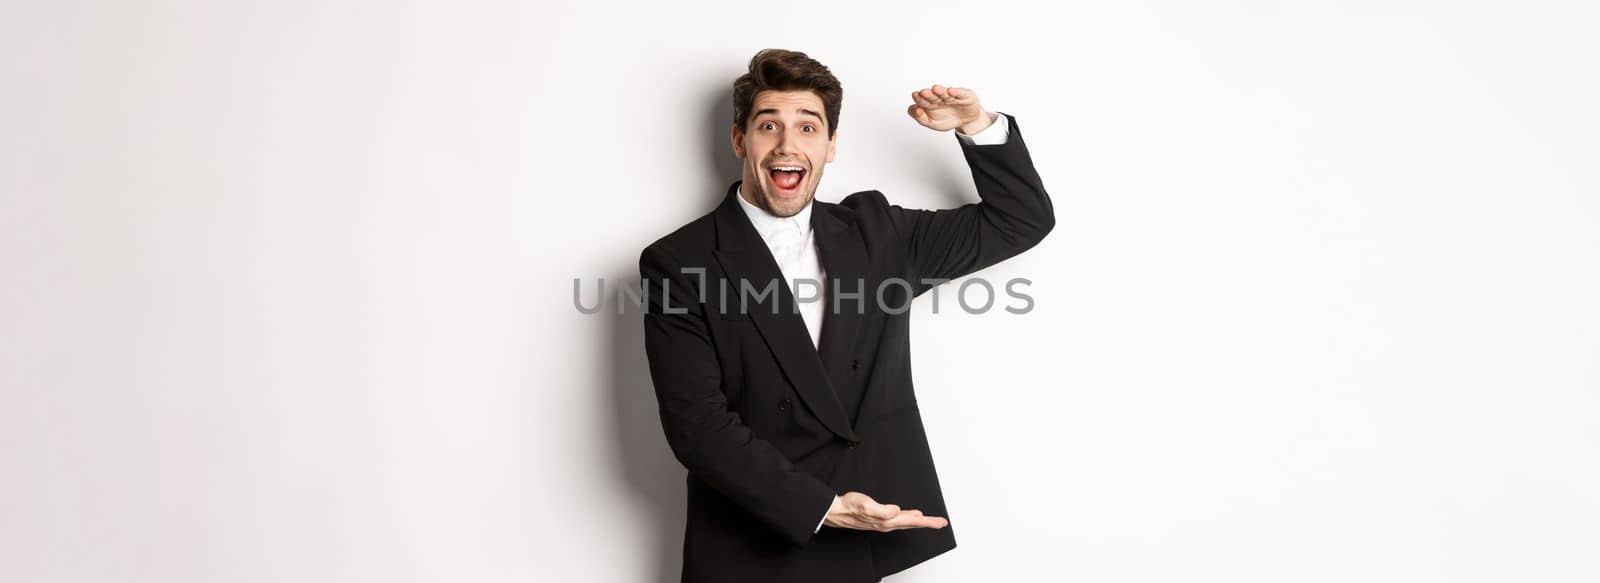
914	519
919	114
906	519
942	92
927	98
960	94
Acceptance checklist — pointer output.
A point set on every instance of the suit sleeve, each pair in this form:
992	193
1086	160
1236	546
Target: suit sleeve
1014	214
709	438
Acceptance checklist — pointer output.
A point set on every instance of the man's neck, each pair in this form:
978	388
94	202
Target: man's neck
746	197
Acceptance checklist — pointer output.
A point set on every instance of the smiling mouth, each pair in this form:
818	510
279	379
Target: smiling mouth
786	179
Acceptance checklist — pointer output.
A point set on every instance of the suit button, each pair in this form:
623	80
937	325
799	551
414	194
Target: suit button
853	444
855	365
784	406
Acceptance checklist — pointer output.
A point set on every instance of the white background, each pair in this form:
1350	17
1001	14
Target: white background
287	286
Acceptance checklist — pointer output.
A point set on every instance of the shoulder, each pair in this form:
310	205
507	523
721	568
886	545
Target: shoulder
870	210
691	242
868	200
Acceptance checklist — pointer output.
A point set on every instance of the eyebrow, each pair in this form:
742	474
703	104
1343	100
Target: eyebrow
774	111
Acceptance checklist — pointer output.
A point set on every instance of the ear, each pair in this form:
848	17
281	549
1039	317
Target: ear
832	143
736	137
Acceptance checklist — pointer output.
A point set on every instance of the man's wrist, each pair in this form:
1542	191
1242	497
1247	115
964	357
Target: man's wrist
983	122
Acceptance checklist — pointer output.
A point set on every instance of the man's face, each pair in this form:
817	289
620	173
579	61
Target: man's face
787	129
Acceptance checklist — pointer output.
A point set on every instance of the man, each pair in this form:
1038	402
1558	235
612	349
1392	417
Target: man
777	330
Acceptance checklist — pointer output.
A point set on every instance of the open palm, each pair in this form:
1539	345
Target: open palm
943	108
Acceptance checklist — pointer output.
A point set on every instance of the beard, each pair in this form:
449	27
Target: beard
784	206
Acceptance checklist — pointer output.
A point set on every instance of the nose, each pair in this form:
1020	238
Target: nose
784	147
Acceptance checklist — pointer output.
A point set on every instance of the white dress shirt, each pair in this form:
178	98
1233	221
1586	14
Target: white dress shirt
794	247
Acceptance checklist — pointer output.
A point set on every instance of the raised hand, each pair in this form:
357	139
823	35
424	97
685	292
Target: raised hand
859	511
941	108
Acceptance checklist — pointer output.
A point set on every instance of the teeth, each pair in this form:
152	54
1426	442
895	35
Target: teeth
789	168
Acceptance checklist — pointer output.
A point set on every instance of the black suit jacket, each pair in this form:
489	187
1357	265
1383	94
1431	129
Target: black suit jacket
770	427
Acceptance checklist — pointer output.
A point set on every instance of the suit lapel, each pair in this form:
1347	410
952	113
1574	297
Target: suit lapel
844	259
744	257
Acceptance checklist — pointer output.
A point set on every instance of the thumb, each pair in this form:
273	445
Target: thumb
886	511
917	113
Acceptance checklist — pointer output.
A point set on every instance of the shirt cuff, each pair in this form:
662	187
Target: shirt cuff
996	133
830	507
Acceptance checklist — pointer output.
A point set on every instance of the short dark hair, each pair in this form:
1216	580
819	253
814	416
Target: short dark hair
784	70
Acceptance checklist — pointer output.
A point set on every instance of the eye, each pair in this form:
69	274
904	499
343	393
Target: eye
764	125
811	127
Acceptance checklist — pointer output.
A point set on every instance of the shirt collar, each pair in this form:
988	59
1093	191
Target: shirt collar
768	225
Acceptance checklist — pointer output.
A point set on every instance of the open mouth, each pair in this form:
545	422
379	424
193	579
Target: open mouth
786	180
